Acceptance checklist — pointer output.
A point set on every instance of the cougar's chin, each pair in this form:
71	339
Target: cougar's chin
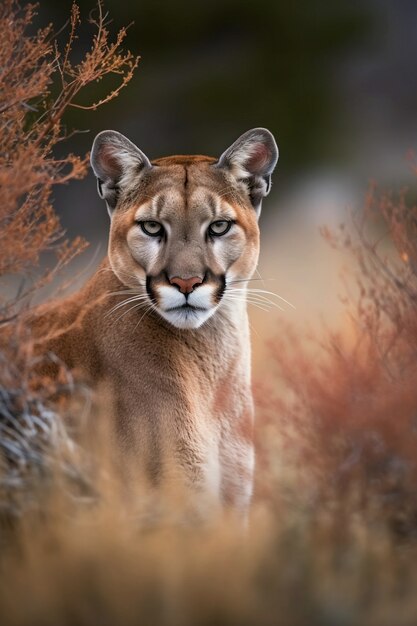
187	316
185	311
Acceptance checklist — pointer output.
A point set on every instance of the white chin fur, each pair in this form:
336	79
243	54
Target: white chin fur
170	298
187	318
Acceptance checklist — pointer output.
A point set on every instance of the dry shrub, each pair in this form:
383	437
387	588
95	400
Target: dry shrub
39	82
346	421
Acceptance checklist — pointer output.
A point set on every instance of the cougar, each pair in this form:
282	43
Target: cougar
163	322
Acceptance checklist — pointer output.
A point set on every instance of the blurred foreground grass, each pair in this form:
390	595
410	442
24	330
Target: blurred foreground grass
305	559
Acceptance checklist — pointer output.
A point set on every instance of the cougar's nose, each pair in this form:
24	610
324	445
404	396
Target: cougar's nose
186	285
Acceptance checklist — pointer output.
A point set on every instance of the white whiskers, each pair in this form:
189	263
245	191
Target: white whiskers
135	299
141	305
261	298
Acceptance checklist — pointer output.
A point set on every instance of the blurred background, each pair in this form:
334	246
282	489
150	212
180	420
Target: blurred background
336	82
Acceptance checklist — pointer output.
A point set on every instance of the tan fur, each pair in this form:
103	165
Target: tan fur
181	397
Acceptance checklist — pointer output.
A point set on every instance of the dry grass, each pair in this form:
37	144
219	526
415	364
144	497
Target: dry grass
304	560
84	541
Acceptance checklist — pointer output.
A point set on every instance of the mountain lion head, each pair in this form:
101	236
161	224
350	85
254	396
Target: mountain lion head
183	228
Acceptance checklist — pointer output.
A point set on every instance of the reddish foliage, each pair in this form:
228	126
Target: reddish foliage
348	413
38	83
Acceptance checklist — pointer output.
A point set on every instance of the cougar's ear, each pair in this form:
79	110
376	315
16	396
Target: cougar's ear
251	160
116	161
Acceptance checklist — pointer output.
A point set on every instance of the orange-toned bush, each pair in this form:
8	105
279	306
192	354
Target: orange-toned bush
38	83
347	420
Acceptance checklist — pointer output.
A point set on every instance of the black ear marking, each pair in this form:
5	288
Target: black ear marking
117	163
252	159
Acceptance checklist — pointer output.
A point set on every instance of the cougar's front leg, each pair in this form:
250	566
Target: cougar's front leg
237	459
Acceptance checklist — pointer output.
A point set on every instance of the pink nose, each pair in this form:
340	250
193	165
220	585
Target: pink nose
186	285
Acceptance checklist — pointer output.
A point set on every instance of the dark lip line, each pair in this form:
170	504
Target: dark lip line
185	307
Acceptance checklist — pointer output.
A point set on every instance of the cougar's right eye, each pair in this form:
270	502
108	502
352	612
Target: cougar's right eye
152	229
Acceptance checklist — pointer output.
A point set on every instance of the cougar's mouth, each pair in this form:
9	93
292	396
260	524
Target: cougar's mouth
185	310
186	307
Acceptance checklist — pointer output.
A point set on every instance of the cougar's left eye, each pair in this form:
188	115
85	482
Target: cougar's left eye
153	229
221	227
